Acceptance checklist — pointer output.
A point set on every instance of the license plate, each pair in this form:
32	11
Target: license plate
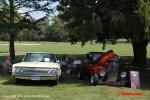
35	78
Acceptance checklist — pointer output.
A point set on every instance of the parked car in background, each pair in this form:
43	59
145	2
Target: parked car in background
103	68
37	66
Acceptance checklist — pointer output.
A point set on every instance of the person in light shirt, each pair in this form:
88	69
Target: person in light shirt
77	64
64	63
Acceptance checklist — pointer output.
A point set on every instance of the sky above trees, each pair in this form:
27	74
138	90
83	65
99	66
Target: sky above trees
39	14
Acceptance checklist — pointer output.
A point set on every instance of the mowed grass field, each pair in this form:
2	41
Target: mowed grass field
69	88
66	48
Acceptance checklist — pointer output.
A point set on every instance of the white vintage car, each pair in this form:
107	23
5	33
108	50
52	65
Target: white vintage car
37	66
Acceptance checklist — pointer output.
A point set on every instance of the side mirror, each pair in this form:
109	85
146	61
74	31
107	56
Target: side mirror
58	61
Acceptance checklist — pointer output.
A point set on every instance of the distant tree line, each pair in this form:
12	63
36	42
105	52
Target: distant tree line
45	30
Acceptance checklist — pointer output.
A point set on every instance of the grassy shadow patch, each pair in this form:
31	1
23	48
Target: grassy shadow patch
72	78
6	79
3	52
65	79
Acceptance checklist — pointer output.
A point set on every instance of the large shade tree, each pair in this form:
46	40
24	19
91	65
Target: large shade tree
13	7
107	19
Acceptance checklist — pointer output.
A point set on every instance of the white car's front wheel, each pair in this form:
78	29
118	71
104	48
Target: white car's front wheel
54	82
18	81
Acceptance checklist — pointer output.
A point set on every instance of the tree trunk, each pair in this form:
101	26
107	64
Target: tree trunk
39	39
140	53
91	42
11	47
12	31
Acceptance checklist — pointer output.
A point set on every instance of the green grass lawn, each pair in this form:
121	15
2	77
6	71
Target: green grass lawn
66	48
69	88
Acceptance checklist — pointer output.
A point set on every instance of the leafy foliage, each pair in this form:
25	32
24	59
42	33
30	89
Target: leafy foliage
16	22
58	29
106	19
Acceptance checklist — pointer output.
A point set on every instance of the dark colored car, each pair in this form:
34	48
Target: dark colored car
103	68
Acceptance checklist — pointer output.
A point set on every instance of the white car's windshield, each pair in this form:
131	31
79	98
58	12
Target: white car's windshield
39	57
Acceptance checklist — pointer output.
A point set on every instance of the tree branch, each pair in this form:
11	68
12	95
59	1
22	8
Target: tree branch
17	6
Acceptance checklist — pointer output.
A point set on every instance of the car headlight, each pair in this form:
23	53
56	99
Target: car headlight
102	73
123	74
17	70
52	72
21	70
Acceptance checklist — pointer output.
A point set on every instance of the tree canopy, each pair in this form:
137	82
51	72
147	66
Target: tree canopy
16	23
104	19
85	20
109	19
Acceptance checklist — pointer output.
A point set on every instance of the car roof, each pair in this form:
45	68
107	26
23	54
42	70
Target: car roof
40	52
97	52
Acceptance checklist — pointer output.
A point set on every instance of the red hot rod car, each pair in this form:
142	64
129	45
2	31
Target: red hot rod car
103	68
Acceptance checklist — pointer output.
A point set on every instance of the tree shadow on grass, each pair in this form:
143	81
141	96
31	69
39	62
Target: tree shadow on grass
145	79
27	83
65	79
4	52
72	78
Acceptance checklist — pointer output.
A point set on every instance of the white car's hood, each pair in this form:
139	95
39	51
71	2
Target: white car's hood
37	64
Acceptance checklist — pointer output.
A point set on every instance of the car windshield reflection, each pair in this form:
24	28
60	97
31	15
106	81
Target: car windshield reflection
39	57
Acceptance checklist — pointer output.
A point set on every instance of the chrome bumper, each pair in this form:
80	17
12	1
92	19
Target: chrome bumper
35	77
